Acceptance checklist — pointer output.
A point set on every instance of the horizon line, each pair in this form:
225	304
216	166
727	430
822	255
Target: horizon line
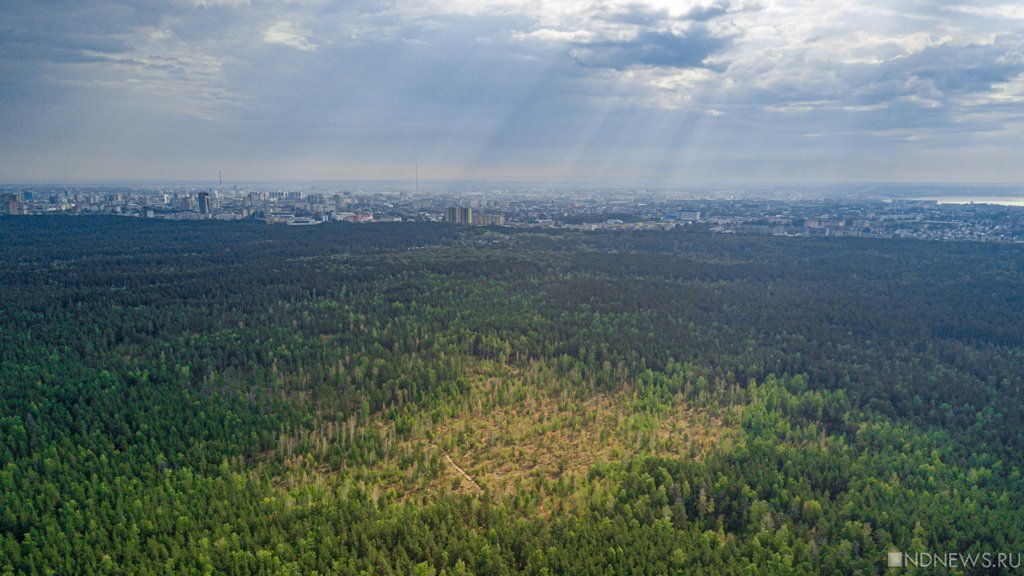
624	182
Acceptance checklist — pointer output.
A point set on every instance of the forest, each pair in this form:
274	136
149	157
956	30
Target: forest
414	398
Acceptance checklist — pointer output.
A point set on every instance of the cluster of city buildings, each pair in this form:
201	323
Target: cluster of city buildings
465	215
524	207
928	219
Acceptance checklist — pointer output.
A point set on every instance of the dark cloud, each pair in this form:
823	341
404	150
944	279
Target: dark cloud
705	13
961	69
689	49
660	40
926	88
936	78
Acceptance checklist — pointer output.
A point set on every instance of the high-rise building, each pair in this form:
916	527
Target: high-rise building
459	215
11	203
204	202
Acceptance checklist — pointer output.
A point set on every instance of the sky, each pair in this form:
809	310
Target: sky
645	91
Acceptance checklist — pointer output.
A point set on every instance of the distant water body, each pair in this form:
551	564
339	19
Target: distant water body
998	200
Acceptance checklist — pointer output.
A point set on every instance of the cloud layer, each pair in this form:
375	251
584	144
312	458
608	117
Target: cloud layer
640	90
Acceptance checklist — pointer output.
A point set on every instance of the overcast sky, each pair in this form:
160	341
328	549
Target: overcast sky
759	90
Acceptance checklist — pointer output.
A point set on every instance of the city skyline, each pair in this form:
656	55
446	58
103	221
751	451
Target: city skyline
727	91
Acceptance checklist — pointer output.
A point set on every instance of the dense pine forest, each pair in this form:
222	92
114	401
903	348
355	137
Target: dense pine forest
242	398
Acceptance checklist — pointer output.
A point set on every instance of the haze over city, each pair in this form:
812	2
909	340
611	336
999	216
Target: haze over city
853	90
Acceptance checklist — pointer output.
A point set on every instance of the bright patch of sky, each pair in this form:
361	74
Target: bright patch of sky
667	91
